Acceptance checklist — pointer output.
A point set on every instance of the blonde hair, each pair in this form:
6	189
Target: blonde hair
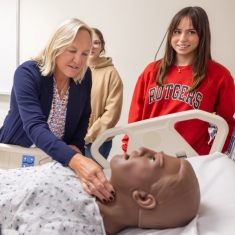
62	38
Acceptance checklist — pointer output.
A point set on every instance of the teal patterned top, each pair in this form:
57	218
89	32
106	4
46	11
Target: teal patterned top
47	199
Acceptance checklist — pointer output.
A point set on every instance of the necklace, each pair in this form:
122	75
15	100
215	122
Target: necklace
61	92
180	69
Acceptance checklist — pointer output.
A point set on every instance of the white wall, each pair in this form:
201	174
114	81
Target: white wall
9	43
133	31
4	106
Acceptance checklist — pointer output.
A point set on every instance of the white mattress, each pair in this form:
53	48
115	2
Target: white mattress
216	216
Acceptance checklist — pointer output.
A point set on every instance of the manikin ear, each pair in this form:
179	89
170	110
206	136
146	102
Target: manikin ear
144	199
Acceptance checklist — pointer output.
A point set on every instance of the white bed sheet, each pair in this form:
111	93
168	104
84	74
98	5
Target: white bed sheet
216	216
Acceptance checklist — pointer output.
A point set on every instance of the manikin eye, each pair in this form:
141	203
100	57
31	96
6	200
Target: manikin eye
152	160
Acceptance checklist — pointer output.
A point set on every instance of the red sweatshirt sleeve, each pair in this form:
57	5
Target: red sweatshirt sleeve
225	105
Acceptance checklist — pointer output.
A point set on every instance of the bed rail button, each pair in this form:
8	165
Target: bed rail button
27	161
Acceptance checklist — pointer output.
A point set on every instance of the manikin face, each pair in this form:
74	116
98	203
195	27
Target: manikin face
142	169
71	61
97	47
185	40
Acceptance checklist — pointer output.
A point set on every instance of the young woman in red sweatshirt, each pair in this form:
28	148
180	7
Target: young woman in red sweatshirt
186	78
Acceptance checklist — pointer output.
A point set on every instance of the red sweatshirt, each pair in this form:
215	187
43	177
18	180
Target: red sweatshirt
216	94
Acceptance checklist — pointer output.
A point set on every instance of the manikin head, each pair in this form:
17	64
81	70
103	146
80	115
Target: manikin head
164	190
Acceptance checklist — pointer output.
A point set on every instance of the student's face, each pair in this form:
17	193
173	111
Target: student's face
185	40
71	61
97	47
142	169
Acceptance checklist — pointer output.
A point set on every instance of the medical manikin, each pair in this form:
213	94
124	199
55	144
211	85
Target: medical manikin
153	190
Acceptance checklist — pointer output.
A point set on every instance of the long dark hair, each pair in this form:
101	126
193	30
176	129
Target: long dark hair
201	24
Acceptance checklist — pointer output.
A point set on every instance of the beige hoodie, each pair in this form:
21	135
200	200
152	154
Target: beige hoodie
106	98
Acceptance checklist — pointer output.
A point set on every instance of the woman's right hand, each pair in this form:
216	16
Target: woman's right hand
92	177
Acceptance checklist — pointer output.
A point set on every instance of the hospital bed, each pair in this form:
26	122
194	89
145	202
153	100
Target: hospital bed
215	172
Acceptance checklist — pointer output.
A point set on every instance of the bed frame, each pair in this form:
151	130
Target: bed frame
159	134
155	133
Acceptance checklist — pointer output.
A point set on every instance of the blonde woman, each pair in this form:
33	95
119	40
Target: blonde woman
50	105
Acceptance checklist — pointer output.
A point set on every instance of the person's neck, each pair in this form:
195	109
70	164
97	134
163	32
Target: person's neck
183	61
93	62
118	215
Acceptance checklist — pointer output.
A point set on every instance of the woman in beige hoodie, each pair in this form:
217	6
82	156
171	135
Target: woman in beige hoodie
106	95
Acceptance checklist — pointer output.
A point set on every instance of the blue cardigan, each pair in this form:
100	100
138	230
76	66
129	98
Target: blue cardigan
30	105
